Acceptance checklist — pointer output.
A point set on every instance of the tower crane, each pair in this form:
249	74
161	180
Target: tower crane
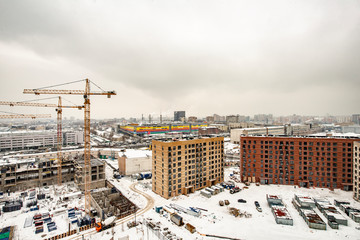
86	94
33	116
59	108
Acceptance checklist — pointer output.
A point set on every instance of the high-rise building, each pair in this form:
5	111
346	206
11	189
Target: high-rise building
232	119
357	171
210	119
179	115
184	166
304	161
356	118
192	119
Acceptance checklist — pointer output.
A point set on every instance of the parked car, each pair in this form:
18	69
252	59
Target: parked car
257	205
227	202
221	203
241	200
234	190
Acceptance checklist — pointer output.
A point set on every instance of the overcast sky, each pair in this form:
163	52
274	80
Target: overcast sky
204	57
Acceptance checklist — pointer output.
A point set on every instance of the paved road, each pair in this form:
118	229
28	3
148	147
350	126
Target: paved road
149	205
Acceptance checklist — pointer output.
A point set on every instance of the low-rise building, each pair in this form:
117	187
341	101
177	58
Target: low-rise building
35	139
132	161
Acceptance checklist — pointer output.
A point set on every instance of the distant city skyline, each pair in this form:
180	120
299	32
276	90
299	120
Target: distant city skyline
203	57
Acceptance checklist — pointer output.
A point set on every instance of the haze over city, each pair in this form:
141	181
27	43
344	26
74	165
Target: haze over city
204	57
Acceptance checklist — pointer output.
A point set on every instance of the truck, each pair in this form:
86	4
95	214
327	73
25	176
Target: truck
146	175
107	223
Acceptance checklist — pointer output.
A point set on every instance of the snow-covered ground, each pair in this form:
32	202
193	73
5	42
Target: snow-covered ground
218	221
215	221
231	148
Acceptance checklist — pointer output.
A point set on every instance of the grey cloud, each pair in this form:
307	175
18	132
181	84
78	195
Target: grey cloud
173	51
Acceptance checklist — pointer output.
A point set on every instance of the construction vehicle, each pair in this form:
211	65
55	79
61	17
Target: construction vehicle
235	190
107	223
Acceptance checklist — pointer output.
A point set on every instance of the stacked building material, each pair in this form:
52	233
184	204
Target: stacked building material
353	213
12	206
281	214
330	212
338	203
312	219
304	206
305	201
355	216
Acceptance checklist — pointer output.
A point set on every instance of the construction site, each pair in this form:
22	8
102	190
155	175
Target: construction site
57	194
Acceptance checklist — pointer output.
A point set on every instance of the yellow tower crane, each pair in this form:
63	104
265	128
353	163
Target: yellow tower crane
59	108
33	116
86	94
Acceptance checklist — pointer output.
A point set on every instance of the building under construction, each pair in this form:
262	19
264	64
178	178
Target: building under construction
19	174
111	202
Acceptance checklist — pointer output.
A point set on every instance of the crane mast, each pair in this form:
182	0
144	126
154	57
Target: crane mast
87	148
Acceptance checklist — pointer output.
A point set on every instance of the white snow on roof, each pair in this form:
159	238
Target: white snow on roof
335	134
135	153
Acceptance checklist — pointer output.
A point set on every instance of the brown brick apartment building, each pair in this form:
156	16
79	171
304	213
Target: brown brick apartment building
357	171
304	161
184	166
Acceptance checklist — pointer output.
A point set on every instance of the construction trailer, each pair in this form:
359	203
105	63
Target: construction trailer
212	191
178	220
205	193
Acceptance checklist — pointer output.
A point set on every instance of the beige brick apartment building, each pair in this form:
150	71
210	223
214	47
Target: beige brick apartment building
184	166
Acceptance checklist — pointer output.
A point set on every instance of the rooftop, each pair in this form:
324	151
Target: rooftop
135	153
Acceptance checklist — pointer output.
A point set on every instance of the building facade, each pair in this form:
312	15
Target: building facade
357	171
356	118
20	172
97	179
184	166
18	175
132	161
236	133
304	161
179	115
36	139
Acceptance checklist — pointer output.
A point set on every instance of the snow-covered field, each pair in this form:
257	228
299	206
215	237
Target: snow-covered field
215	221
262	225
